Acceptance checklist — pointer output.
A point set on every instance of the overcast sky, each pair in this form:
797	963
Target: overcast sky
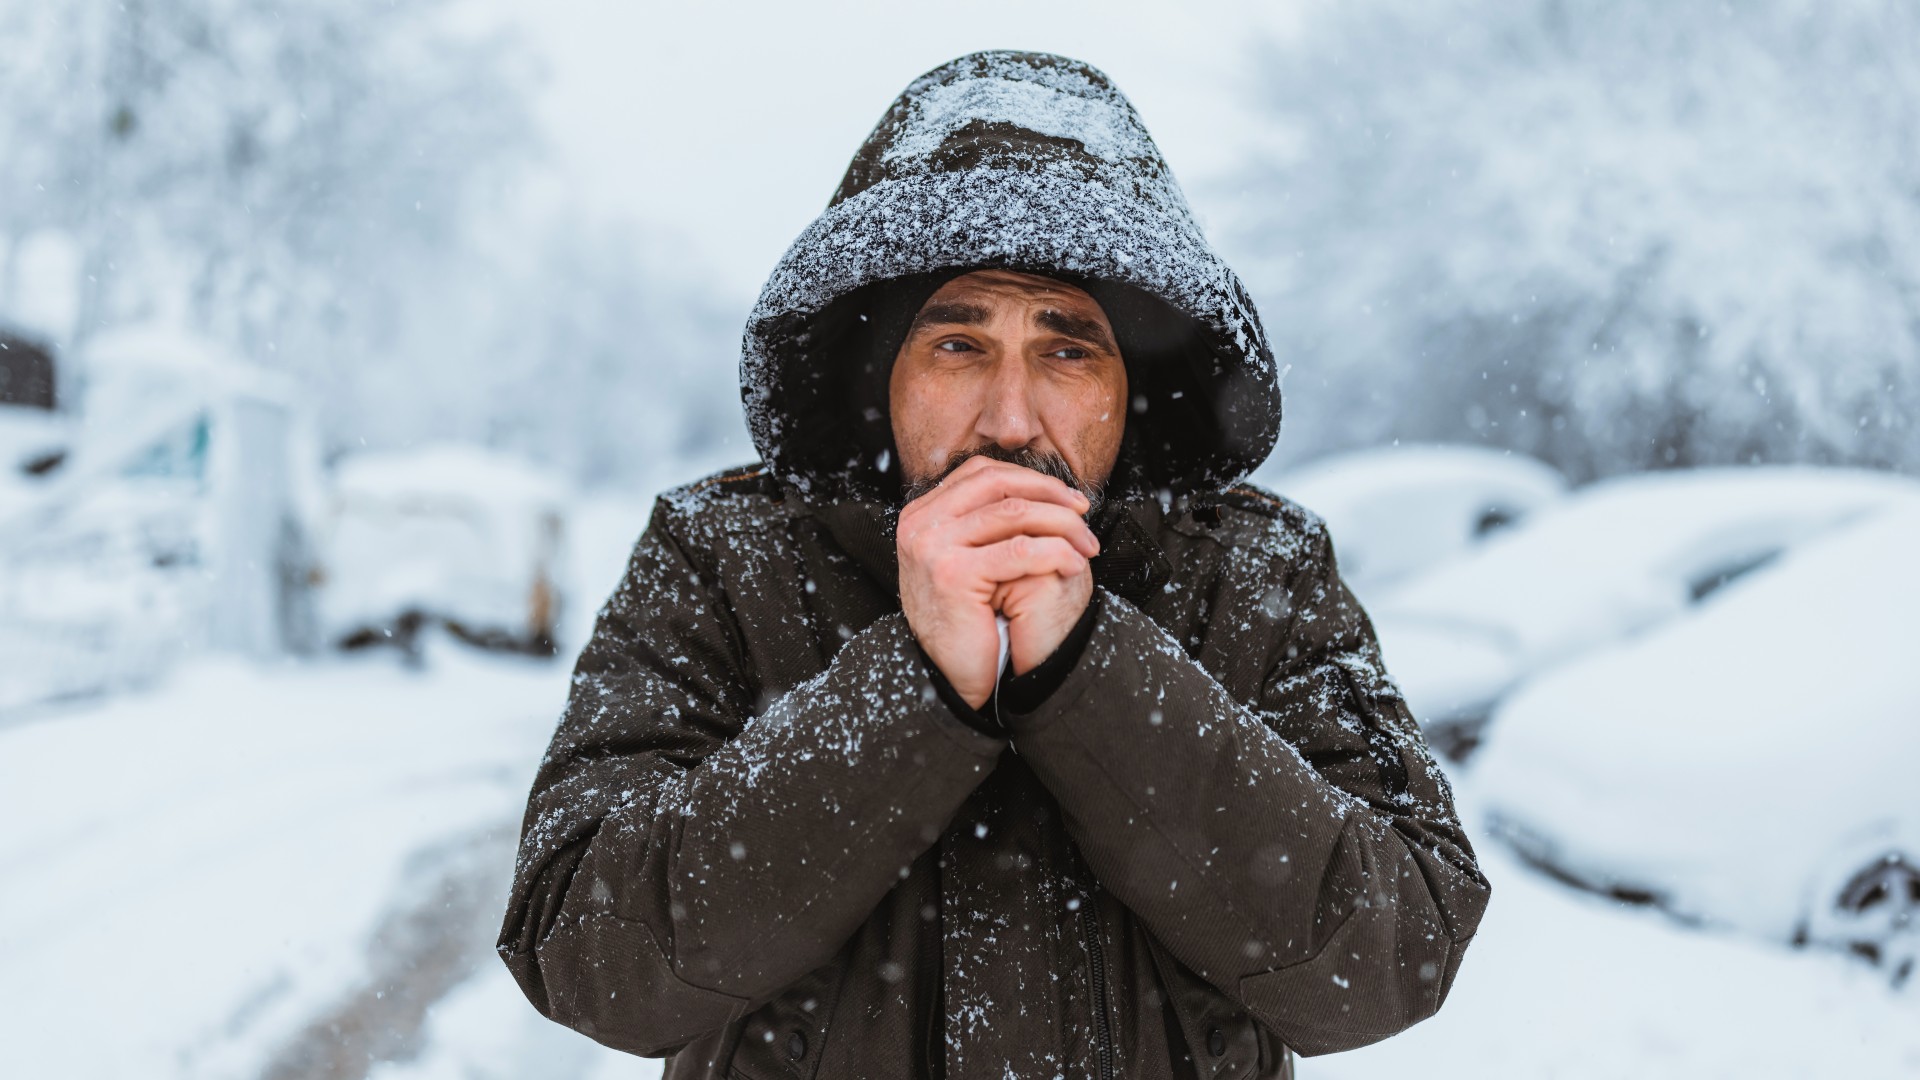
730	124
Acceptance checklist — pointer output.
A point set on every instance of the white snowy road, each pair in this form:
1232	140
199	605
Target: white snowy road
197	872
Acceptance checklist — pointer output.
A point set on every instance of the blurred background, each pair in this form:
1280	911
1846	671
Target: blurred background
345	343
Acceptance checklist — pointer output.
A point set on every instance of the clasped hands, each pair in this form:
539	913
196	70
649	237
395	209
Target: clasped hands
994	538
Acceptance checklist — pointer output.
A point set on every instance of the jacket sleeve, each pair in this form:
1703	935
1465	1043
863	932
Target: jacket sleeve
1299	851
689	851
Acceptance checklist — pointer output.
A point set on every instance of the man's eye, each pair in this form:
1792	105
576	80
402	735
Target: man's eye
1069	353
954	346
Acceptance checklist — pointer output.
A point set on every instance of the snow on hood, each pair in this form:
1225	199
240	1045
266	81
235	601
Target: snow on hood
1030	162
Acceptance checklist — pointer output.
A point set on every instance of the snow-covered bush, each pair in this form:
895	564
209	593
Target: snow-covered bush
1614	236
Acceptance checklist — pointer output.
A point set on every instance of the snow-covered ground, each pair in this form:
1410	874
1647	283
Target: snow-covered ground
298	870
1561	985
272	870
203	876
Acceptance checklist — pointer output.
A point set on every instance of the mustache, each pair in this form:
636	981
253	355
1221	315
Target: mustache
1047	464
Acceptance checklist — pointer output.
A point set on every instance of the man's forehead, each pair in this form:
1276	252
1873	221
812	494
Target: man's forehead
1013	281
1056	311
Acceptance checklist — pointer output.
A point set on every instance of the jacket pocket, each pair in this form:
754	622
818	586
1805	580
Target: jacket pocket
785	1038
1222	1037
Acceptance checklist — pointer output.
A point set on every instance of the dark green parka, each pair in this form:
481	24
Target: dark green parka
763	842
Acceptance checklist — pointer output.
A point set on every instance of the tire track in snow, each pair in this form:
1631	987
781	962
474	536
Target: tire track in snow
438	932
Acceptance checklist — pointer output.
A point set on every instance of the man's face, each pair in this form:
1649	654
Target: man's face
1021	363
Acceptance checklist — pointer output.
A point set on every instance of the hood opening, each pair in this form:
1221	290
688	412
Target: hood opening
835	388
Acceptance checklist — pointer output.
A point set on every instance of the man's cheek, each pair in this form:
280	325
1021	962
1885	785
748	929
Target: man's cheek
919	458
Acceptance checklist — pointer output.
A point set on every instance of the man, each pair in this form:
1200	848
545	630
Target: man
801	820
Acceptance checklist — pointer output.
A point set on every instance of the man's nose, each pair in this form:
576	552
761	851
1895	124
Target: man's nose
1008	416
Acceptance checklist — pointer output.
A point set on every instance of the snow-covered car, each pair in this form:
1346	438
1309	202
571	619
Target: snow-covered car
175	516
453	535
1612	560
1397	510
1749	763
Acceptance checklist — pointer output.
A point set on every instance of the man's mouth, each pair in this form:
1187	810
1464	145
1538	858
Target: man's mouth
1049	463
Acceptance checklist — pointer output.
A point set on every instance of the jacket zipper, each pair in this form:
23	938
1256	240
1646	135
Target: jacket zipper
1097	965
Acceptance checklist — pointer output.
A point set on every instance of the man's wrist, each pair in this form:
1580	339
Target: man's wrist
981	719
1026	692
1022	693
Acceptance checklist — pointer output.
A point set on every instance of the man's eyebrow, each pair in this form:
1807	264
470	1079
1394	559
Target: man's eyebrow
949	313
1077	327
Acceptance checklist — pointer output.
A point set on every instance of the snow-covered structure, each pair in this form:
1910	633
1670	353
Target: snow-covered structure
470	538
33	429
27	373
178	519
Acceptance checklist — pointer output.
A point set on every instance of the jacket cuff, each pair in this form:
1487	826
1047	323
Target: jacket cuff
1024	693
980	720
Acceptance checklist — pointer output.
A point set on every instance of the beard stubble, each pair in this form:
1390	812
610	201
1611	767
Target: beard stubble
1047	464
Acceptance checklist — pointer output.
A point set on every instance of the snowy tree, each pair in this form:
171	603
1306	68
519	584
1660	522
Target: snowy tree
333	190
1617	236
249	164
625	348
602	351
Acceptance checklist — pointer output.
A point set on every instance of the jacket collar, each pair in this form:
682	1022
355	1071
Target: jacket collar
1131	563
